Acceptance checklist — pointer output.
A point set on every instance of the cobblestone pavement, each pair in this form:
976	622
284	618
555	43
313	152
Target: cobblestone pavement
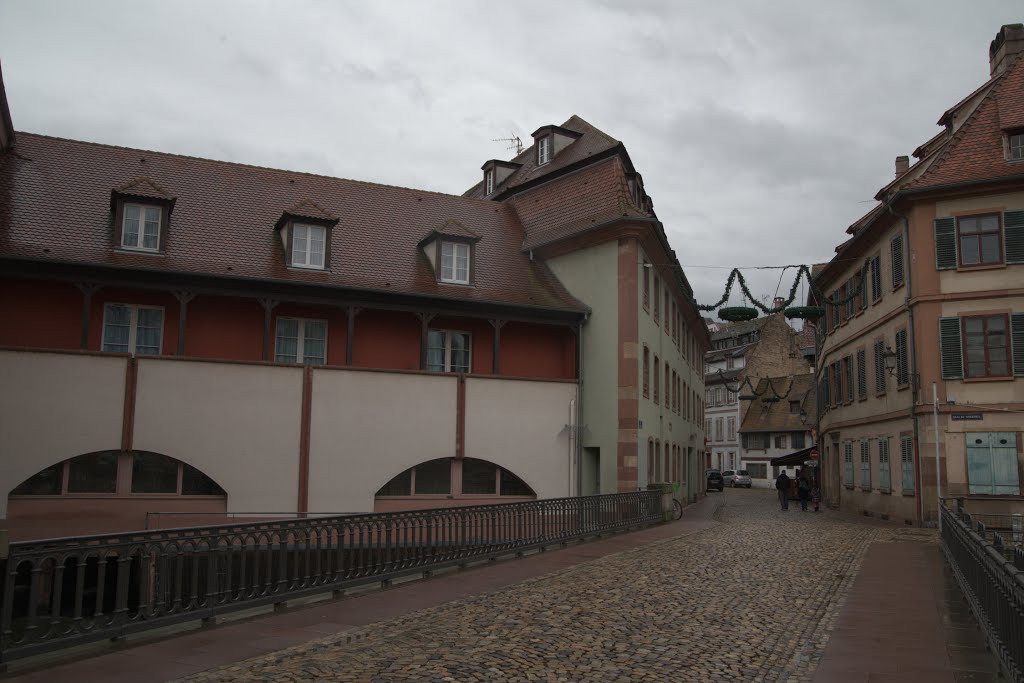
750	600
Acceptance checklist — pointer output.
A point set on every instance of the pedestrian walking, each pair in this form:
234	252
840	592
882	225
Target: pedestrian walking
782	484
803	489
816	497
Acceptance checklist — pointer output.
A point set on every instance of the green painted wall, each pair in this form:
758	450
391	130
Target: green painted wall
591	275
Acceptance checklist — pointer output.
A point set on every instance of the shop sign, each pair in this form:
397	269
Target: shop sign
966	416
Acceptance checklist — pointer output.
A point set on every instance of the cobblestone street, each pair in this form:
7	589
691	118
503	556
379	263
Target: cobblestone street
752	599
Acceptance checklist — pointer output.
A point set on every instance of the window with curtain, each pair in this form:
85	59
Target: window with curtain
448	351
301	340
141	227
128	328
308	245
992	463
980	239
455	262
986	346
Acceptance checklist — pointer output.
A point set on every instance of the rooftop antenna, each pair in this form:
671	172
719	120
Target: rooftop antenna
513	142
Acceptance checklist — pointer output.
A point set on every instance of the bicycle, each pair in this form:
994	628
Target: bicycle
677	509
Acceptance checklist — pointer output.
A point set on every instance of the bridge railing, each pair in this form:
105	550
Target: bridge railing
992	578
62	592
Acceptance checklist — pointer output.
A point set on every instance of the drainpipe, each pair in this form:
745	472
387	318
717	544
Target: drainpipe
579	409
912	342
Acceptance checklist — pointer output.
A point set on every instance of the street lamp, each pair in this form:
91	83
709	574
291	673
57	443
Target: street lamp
889	356
803	416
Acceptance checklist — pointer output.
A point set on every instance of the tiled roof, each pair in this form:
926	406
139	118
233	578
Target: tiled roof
807	336
738	328
143	187
223	223
733	352
590	143
776	417
976	150
720	376
575	203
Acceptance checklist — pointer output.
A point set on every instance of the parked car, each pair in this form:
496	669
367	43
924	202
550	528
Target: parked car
739	478
728	476
715	481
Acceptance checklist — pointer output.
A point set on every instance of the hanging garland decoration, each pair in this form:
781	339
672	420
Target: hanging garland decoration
754	393
737	313
743	312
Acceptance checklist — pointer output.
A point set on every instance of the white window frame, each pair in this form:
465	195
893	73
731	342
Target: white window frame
448	350
489	181
306	262
140	235
1017	137
133	327
544	150
452	266
300	347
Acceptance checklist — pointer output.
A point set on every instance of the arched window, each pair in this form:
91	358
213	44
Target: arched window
101	473
467	477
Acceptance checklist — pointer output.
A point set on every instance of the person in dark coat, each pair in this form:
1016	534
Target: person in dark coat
803	489
782	485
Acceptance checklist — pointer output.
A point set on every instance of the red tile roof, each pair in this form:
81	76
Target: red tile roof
224	217
975	151
575	203
590	143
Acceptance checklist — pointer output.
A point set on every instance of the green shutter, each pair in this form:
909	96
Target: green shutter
945	243
1013	234
950	348
1017	326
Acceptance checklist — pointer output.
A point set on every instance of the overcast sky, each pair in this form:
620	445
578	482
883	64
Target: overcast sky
762	129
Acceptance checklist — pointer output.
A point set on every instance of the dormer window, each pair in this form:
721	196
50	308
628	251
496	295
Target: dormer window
305	231
455	262
140	227
308	245
489	181
543	150
141	212
1016	145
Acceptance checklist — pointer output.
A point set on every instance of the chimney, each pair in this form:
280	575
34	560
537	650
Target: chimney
1008	42
902	164
778	303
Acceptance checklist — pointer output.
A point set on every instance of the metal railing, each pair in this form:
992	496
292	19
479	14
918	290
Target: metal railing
992	580
63	592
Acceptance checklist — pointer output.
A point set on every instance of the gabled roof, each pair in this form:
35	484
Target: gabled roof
452	229
224	217
975	151
307	208
777	417
590	144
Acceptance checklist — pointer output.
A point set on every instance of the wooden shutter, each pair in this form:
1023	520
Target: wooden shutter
945	243
879	367
1017	327
862	374
896	248
1013	236
951	349
876	278
862	282
902	369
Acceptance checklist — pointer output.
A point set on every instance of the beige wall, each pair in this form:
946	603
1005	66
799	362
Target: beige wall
53	407
520	425
892	505
367	427
237	423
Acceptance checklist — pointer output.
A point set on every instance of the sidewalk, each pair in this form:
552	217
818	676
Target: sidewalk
905	621
198	650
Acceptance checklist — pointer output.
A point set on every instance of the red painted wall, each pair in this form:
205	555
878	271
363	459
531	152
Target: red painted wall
386	339
48	315
225	328
40	314
545	351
